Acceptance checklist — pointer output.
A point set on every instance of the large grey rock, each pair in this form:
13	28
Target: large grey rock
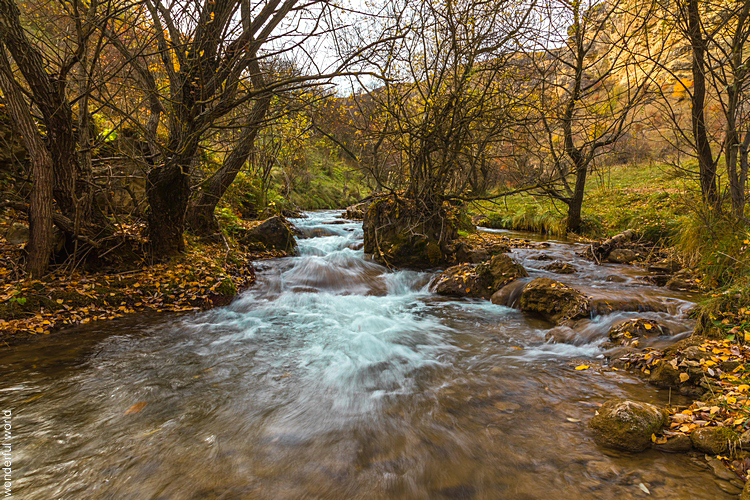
627	425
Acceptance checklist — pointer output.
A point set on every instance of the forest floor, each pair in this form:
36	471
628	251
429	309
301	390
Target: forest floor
204	276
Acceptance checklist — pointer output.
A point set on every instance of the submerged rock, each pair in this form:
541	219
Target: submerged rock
715	440
559	267
273	234
679	443
626	425
553	300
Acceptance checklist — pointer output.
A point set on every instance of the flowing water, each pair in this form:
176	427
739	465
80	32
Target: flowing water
335	378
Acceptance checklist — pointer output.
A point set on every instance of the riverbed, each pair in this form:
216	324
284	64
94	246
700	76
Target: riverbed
336	378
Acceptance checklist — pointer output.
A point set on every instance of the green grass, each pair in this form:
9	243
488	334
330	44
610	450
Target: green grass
648	198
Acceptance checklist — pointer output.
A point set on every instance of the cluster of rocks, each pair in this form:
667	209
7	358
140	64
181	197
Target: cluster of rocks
665	270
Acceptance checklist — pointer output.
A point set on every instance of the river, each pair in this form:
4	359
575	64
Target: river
335	378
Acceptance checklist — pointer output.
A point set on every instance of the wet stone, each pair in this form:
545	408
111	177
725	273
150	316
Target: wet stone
559	267
677	444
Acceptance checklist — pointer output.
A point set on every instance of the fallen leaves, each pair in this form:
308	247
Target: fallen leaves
201	278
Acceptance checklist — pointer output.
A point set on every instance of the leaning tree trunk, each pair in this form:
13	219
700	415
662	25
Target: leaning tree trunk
40	206
200	218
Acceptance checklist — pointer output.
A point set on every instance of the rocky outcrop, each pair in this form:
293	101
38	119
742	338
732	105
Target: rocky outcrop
627	425
559	267
554	301
602	251
483	280
275	233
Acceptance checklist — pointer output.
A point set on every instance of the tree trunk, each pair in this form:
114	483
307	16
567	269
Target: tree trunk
40	206
73	197
706	165
576	201
200	218
168	193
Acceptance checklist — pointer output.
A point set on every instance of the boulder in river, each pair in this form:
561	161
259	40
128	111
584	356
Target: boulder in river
553	300
508	295
275	233
679	443
715	440
626	425
627	331
500	270
462	281
560	267
483	280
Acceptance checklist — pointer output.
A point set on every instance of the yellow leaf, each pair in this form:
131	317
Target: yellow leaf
743	387
647	326
731	400
582	367
135	408
684	377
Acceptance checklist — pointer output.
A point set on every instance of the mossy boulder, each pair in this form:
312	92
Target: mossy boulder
462	281
627	425
501	270
554	301
483	280
401	232
275	233
715	440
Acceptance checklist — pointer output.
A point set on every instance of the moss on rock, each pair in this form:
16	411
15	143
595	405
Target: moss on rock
715	440
627	425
